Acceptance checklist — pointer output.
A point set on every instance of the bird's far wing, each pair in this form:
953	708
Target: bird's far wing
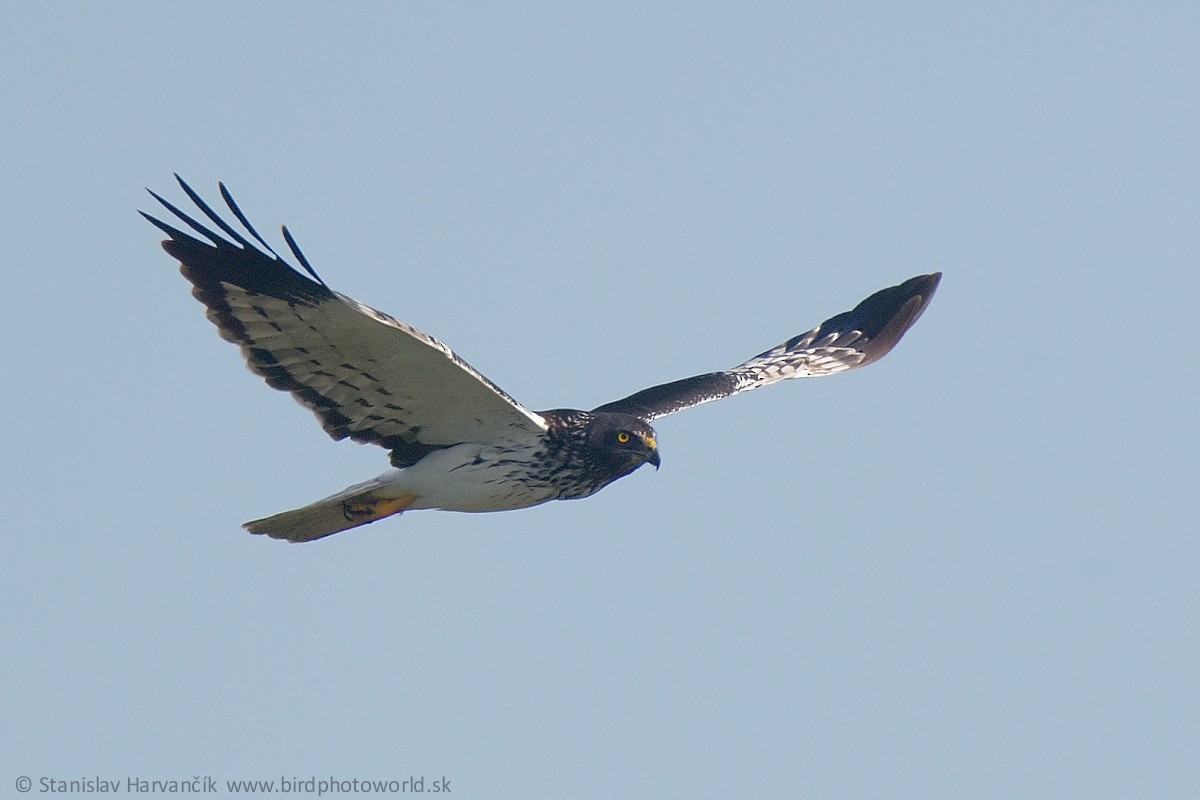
851	339
366	376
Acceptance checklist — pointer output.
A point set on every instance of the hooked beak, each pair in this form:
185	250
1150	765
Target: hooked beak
652	457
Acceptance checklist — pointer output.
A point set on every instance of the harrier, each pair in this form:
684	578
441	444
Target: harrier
456	440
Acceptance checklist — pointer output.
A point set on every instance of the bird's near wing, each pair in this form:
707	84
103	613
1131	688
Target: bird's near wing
851	339
366	376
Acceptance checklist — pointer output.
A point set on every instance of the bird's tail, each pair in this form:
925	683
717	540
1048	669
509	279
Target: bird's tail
355	505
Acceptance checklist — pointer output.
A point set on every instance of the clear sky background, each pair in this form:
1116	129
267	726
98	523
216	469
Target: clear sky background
970	570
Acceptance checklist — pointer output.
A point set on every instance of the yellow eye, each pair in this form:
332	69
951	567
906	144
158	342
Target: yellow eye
623	437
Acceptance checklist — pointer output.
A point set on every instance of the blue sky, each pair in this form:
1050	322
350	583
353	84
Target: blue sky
970	570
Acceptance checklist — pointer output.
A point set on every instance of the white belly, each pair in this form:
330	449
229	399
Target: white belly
466	477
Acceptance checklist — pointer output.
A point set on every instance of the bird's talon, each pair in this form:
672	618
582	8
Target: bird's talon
371	510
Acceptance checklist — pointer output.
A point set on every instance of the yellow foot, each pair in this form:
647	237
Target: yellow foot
364	511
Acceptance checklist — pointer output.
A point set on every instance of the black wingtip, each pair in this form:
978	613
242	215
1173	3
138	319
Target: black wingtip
237	212
234	260
291	242
925	285
888	314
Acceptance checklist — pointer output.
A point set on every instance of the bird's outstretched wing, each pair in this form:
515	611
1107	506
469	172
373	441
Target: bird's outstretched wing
366	376
851	339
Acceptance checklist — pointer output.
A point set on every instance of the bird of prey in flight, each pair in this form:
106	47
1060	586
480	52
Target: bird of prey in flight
456	440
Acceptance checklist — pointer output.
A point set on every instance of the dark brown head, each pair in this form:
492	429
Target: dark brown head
623	441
